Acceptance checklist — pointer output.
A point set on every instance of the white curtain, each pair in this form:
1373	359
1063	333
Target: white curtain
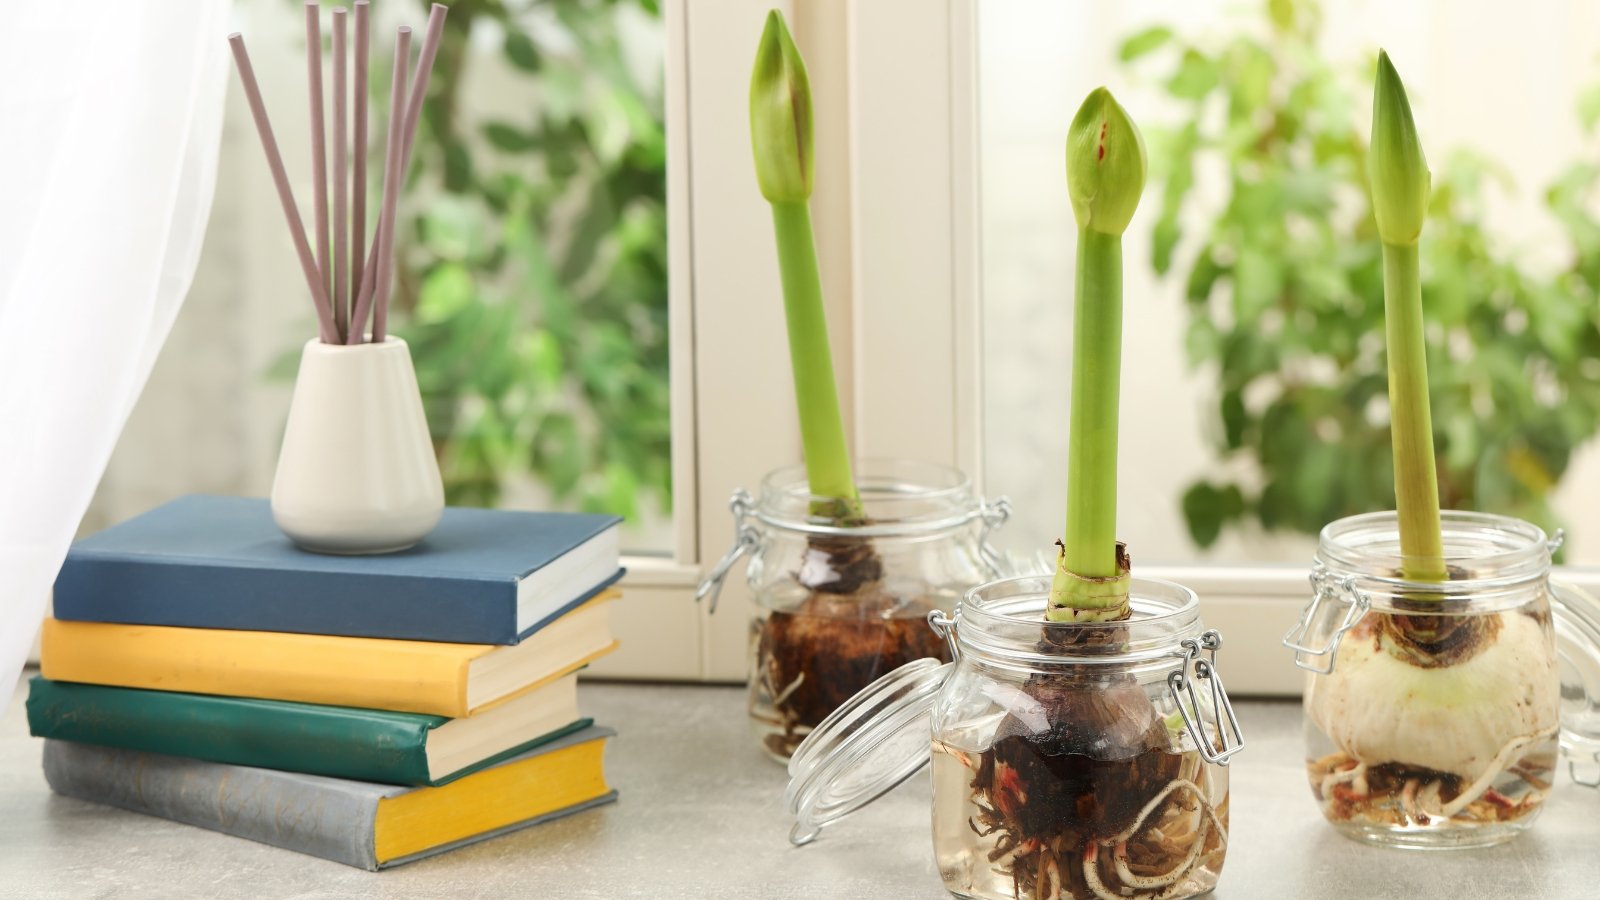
111	112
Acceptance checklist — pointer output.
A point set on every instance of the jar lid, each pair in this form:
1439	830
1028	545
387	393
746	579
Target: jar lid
1577	627
865	748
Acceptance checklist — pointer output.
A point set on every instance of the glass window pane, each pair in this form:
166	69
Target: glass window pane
530	283
1253	374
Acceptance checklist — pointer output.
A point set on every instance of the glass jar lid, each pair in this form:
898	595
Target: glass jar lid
1577	627
865	748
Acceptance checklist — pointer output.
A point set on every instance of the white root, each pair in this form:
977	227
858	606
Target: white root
1053	871
1138	822
1120	856
1408	798
1501	761
1169	883
1355	776
789	691
1091	877
1005	860
1428	800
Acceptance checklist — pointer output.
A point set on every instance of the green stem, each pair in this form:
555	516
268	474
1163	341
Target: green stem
1416	482
1090	548
821	425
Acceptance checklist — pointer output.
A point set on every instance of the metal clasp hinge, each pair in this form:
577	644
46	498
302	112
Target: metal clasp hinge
744	540
1325	592
1230	739
945	626
994	515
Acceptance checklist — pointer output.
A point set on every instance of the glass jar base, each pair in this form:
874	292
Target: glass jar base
1450	837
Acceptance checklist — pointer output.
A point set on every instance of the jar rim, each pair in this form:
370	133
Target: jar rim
903	497
1004	620
1489	551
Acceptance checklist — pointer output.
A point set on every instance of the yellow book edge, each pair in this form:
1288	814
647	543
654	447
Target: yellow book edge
523	691
87	652
494	798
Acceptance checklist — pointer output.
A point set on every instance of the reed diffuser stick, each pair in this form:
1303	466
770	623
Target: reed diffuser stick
341	178
319	138
358	168
419	85
413	117
377	275
280	179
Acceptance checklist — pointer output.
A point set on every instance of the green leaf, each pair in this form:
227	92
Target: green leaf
1143	42
1234	419
1206	508
1163	241
452	229
1196	77
543	358
446	291
507	138
522	52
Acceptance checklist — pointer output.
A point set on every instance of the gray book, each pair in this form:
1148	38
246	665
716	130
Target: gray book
331	817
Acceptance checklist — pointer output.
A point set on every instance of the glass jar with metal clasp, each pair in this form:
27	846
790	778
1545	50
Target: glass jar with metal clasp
1073	760
839	606
1435	710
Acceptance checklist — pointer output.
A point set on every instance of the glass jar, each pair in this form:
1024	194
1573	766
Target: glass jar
1432	710
838	607
1071	760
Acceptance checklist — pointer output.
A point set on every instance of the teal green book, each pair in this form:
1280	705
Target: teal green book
341	742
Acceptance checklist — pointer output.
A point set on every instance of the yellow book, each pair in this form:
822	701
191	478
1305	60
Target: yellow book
439	679
372	826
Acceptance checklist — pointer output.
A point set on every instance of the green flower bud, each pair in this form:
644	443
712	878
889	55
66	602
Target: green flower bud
1396	168
1105	164
780	116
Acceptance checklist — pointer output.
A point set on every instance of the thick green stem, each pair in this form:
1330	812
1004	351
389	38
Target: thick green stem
821	426
1416	482
1089	574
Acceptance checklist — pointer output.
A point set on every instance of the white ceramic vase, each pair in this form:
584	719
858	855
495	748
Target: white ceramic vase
357	472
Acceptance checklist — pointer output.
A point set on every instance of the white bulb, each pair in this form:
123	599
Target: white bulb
1382	709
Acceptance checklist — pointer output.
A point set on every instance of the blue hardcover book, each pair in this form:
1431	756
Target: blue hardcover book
482	577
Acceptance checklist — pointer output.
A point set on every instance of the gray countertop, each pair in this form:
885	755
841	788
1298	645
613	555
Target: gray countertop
701	816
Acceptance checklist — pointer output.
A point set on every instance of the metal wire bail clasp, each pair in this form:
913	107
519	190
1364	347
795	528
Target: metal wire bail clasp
1230	739
745	539
945	626
1335	608
994	515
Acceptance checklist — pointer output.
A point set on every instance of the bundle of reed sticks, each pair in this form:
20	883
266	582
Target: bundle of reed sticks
349	278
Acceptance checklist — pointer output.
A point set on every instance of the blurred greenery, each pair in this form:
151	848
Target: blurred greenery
532	286
1285	302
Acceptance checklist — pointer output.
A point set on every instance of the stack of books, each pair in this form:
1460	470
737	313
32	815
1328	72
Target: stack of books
368	710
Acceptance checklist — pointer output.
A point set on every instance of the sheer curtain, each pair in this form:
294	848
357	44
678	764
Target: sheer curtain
112	112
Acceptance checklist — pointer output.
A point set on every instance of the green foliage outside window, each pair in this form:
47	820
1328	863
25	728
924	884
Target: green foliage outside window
532	286
1283	288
